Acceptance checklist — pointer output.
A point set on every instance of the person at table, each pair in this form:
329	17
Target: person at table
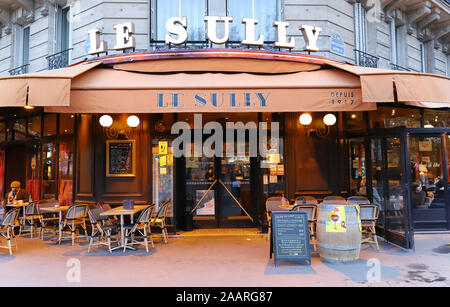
418	195
363	191
17	193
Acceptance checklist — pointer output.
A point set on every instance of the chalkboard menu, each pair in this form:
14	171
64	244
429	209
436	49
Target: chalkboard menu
120	158
290	237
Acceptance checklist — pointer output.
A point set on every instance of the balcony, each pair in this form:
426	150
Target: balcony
19	70
398	67
366	59
58	60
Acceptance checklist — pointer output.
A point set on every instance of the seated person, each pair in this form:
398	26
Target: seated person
418	196
363	191
16	193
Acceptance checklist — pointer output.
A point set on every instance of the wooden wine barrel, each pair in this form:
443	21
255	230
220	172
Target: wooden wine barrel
338	246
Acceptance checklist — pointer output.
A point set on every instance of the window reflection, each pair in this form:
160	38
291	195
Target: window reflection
66	123
387	117
50	125
34	127
49	166
436	118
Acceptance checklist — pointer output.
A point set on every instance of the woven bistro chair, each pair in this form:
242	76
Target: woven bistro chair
110	219
358	199
334	200
7	229
311	211
48	221
140	229
31	216
305	200
369	216
100	232
160	219
275	203
75	217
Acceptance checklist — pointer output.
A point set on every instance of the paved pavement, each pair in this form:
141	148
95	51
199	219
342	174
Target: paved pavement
220	258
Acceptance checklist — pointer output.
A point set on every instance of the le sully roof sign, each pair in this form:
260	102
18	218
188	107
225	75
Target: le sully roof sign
177	34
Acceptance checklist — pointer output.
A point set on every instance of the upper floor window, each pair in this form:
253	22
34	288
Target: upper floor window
266	13
63	29
423	57
194	10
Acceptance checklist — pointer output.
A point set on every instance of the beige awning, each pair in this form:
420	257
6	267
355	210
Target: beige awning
416	89
45	88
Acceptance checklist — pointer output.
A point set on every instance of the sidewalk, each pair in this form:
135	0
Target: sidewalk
225	258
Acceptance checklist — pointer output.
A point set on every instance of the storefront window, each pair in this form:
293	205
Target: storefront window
357	165
427	175
194	10
34	127
66	124
33	182
354	121
20	129
49	167
65	177
436	118
387	117
50	125
2	131
162	173
265	14
272	165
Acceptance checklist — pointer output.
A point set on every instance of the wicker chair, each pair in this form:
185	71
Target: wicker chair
369	216
47	219
100	232
275	203
141	228
31	216
160	219
358	199
75	216
334	199
311	211
306	200
7	228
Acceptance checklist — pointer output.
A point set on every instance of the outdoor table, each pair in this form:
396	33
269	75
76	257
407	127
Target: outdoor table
59	210
121	212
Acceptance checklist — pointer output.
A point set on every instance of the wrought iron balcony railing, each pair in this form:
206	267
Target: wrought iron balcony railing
19	70
398	67
58	60
365	59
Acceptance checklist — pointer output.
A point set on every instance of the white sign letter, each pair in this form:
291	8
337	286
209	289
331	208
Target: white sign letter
311	34
281	35
250	33
95	44
211	22
173	27
124	38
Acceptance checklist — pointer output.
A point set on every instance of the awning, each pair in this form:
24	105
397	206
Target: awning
45	88
415	89
115	91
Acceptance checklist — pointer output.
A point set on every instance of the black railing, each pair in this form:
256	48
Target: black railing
365	59
58	60
19	70
398	67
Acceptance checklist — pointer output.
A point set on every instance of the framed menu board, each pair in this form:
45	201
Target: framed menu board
120	158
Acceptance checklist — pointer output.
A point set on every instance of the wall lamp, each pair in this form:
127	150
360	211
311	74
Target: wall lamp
328	121
114	130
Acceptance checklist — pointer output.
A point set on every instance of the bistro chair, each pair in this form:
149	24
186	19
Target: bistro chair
334	199
359	200
100	232
31	215
110	219
305	200
48	221
311	212
160	219
275	203
75	217
7	228
369	216
140	229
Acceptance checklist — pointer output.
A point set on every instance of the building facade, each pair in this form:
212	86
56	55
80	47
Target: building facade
394	34
380	150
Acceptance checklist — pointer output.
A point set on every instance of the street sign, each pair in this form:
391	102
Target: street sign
337	44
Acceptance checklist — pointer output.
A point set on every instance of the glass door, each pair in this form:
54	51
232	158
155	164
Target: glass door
388	183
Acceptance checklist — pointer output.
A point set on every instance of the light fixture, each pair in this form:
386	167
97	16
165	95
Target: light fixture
305	119
428	125
353	116
133	121
329	119
106	121
28	107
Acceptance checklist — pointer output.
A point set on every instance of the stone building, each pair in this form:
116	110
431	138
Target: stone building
396	34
